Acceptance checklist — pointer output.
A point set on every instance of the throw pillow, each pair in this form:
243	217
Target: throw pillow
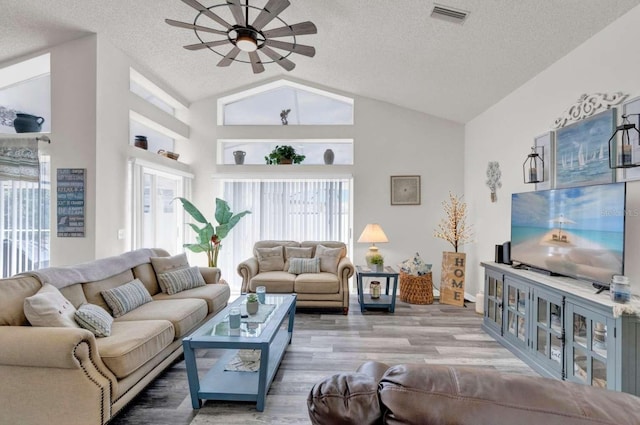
49	308
270	259
95	319
164	264
329	258
304	265
296	252
179	280
415	266
125	298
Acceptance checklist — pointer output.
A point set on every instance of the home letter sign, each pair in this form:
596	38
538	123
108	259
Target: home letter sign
452	278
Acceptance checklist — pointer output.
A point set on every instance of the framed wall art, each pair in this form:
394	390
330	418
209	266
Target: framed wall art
545	141
405	190
629	108
581	151
70	205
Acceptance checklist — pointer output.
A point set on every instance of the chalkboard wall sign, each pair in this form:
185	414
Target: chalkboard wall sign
71	189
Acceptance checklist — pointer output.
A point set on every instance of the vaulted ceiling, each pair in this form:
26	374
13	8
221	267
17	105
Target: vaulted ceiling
387	50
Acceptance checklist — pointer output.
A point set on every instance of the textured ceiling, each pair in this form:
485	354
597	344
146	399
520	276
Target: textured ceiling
387	50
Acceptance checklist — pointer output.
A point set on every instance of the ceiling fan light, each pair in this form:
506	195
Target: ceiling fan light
246	43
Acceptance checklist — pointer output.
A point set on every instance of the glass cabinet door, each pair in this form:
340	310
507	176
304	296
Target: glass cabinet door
493	300
590	343
547	339
516	313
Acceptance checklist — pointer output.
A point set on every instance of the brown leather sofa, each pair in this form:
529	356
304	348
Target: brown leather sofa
442	395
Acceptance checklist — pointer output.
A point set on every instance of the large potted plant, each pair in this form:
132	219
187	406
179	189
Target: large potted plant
284	154
454	230
209	238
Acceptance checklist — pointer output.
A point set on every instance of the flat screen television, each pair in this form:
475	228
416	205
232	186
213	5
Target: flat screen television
576	232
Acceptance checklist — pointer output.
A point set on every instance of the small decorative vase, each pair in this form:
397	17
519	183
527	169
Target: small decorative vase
252	307
329	156
141	142
238	156
26	123
378	267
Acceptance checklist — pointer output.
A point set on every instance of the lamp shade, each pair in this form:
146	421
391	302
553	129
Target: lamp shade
373	233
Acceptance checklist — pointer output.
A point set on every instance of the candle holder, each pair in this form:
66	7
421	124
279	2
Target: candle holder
533	166
374	289
621	150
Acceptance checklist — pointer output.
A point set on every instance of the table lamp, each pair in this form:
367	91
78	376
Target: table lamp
372	233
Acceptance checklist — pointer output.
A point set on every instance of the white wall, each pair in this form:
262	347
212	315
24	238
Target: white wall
90	103
606	63
389	140
73	138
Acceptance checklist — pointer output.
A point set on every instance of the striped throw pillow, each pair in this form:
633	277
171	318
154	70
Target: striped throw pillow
95	319
304	265
127	297
179	280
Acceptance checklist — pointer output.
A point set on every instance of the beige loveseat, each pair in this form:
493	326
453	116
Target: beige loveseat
327	288
66	375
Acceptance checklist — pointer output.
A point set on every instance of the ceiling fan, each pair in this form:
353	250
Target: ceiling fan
244	37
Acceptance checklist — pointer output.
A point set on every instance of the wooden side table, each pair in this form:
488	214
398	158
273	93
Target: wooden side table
386	300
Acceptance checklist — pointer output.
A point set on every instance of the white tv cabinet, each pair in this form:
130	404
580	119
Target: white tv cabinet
562	328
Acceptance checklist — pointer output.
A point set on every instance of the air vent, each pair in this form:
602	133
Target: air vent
449	14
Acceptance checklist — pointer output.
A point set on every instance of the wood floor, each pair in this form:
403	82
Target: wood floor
325	343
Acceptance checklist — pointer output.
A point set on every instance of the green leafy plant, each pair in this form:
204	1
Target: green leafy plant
208	237
284	154
252	298
377	259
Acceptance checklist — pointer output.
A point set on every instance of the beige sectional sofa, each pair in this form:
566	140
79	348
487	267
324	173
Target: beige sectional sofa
67	375
329	287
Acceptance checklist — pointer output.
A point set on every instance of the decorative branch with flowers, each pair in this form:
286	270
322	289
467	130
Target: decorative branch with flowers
208	238
454	228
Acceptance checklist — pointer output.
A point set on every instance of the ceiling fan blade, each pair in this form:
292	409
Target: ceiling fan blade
228	59
303	28
269	12
278	58
200	8
199	46
255	63
295	48
193	27
236	11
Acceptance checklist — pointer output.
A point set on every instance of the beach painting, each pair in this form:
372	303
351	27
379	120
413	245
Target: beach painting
577	232
582	151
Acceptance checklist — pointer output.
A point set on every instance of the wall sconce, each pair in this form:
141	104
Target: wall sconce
372	234
533	166
621	152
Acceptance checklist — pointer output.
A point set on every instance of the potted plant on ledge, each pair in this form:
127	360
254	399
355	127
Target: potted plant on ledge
284	154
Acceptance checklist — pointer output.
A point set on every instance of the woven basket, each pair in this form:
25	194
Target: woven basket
416	289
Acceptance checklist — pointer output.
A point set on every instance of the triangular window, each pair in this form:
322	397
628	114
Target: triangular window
285	103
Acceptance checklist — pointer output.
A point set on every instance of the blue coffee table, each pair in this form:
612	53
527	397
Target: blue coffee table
270	338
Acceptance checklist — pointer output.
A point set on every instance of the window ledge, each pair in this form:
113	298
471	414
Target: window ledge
158	161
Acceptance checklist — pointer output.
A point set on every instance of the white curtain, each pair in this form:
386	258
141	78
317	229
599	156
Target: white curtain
292	209
25	193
